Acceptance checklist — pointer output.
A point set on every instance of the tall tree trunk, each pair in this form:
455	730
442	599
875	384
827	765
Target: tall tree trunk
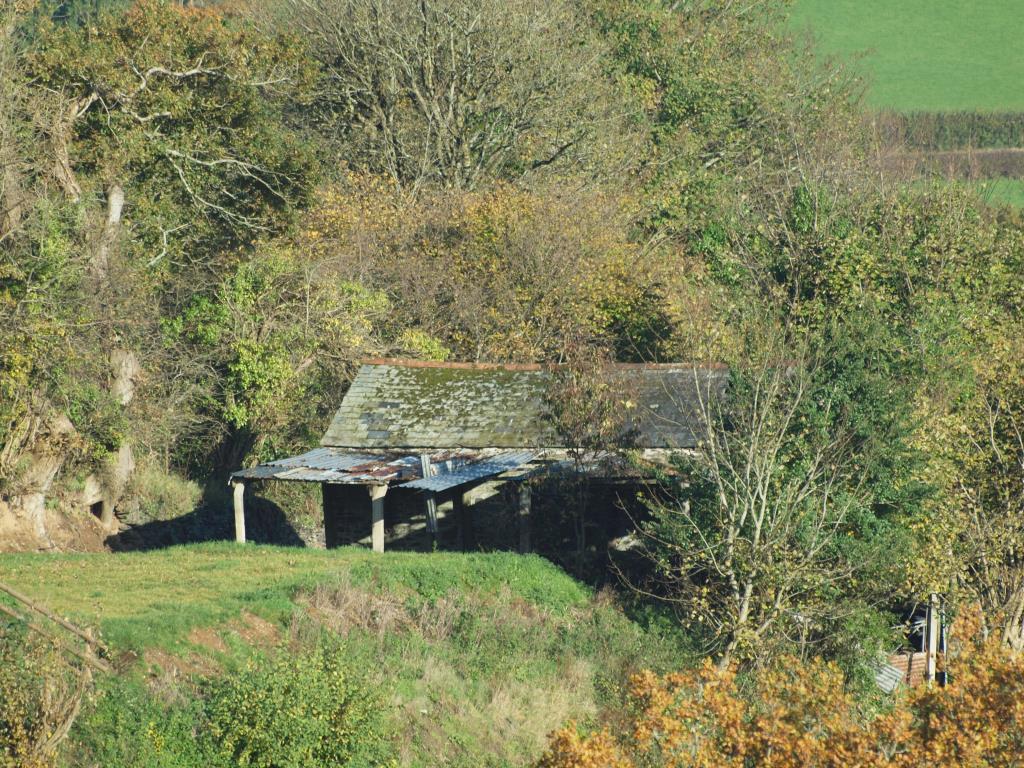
124	364
101	256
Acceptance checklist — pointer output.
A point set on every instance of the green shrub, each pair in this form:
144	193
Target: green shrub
130	727
951	130
296	712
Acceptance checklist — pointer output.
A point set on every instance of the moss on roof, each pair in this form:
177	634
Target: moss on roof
415	405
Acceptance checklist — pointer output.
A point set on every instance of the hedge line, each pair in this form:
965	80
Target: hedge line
951	130
958	163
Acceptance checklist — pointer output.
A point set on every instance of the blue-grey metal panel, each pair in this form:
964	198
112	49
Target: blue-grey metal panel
469	473
262	472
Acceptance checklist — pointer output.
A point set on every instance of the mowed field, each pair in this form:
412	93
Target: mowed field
933	55
153	599
1002	191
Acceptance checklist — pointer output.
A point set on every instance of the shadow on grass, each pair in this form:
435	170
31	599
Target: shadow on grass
212	520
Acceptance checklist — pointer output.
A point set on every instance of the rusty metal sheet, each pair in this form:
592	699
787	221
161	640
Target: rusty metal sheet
321	465
336	465
325	458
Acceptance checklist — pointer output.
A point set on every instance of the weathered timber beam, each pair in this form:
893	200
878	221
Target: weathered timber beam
931	635
47	613
88	658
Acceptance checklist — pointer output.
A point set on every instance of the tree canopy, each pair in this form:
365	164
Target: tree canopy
209	214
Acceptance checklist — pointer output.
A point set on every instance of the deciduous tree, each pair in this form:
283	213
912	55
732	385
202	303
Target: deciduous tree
454	92
798	715
774	529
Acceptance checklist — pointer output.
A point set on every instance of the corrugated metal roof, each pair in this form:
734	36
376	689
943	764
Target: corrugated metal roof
323	465
334	465
888	678
326	458
339	466
468	473
408	405
468	416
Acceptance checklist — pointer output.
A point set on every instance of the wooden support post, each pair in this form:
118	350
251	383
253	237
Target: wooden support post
239	493
931	636
431	512
524	517
377	500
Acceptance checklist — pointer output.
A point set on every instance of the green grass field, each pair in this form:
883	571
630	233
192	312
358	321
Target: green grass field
1002	191
925	54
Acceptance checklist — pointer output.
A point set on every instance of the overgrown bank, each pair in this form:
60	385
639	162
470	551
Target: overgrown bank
459	660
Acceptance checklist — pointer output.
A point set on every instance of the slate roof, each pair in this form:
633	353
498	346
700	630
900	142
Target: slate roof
401	404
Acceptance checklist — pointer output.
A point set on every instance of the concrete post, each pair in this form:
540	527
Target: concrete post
239	494
524	517
431	503
377	500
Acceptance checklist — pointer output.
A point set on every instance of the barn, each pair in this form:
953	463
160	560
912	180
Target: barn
413	443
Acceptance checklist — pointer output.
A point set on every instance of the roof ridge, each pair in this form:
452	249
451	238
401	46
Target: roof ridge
455	365
410	363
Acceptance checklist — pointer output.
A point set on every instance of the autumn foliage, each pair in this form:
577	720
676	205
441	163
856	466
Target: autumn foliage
798	715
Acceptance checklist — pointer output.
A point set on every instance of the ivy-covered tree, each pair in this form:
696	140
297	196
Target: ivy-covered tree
172	116
150	151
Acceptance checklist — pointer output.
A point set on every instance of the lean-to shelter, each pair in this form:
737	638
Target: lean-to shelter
410	436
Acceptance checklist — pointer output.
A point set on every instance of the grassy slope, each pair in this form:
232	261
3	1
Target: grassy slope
926	54
478	656
153	599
